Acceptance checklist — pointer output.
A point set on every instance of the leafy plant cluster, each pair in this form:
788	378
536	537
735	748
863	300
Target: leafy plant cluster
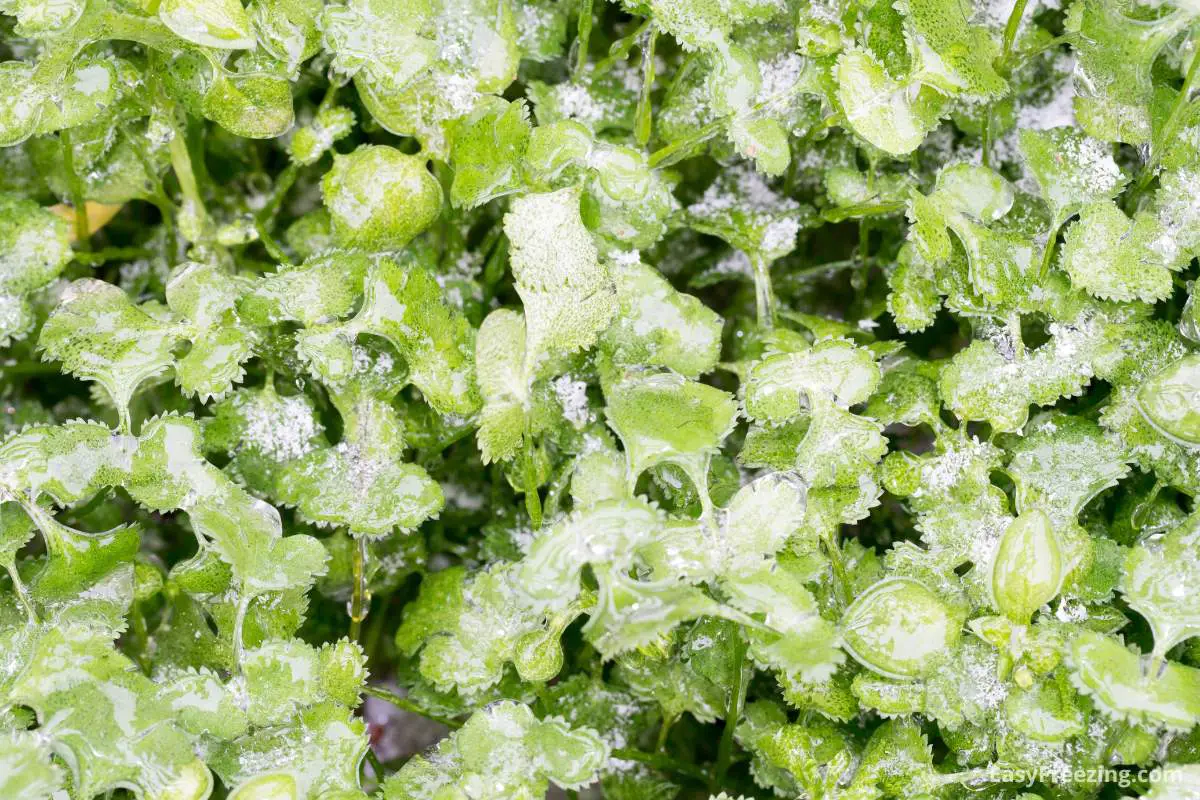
672	398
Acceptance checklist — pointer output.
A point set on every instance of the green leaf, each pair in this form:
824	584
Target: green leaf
26	770
380	198
1113	257
500	365
893	115
898	628
948	53
567	293
255	107
34	249
1154	570
833	371
506	746
666	418
1168	400
99	335
489	146
1118	683
1072	170
209	23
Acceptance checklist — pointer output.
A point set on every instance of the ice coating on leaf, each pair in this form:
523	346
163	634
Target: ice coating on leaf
98	334
1112	257
898	627
1168	400
1115	679
949	53
33	252
1072	170
255	107
893	115
489	146
500	366
380	198
209	23
25	767
567	294
659	327
502	750
1158	576
834	370
742	208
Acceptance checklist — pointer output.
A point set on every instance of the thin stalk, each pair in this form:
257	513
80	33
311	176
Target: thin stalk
266	216
1048	252
1010	30
666	156
661	762
764	293
376	767
358	597
75	189
239	624
404	704
644	122
22	592
583	39
737	700
107	254
533	501
838	564
181	162
619	50
664	732
986	145
1168	128
862	210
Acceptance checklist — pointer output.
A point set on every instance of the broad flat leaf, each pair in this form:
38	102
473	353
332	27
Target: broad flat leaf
1061	463
380	198
257	106
1168	401
1158	574
26	770
567	293
323	288
898	628
1112	257
893	115
508	750
834	370
666	418
630	613
487	152
948	52
315	752
1072	170
99	335
1119	685
34	249
407	307
108	718
657	326
500	366
209	23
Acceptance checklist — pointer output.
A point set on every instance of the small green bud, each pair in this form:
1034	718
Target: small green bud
1171	400
379	198
193	782
1027	570
538	656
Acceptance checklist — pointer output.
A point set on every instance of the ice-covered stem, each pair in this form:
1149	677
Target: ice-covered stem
239	624
764	293
22	593
644	122
733	713
75	190
266	216
1168	128
404	704
583	39
358	594
533	501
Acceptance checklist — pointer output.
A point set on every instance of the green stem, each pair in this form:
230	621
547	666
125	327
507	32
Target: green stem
583	39
737	700
405	704
664	732
661	762
376	767
22	592
107	254
358	597
75	190
764	294
533	501
619	50
668	155
1010	30
266	216
644	124
1168	128
838	564
181	162
863	210
986	145
1048	252
239	624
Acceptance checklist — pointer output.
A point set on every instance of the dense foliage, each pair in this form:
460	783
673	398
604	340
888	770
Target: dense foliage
671	398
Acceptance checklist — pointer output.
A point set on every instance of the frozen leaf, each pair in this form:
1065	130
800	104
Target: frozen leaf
1072	170
34	249
898	628
489	146
507	749
380	198
1119	684
567	293
500	364
1158	573
209	23
1168	400
1112	257
894	115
